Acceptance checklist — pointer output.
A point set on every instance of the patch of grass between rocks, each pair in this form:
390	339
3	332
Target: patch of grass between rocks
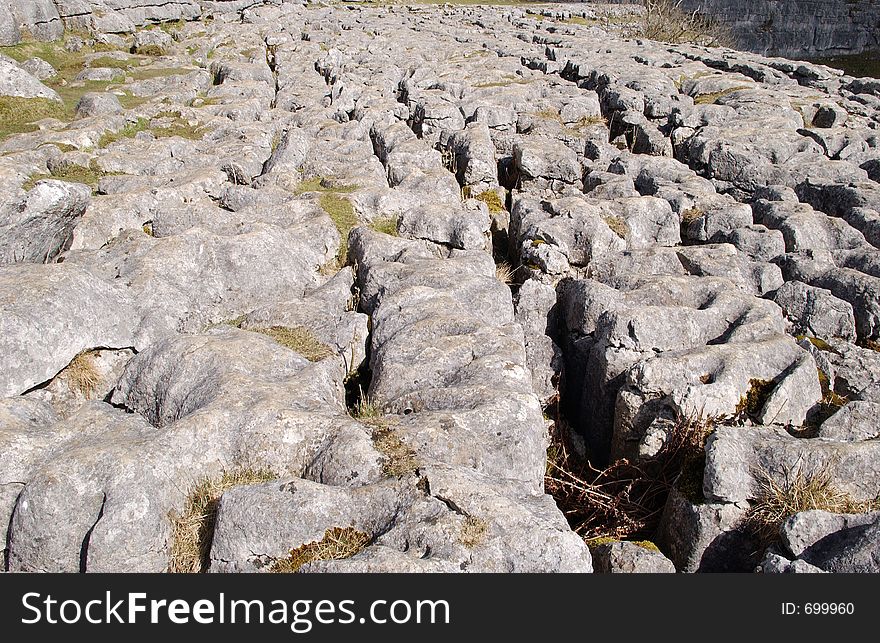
193	530
338	543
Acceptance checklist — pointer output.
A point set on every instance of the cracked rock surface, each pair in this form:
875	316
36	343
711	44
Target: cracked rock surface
362	250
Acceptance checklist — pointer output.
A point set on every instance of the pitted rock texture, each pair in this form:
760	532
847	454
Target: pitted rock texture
363	250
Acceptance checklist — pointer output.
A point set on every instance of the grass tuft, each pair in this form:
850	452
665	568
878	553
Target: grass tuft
71	173
338	543
193	530
154	51
714	97
83	375
298	339
798	490
504	273
398	459
323	184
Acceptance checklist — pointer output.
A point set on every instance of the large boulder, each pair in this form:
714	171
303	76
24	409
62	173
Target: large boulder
50	314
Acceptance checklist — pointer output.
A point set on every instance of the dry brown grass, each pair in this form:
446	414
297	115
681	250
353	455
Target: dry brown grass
692	214
617	224
298	339
625	500
799	489
193	530
504	273
753	401
398	458
83	375
473	532
831	401
338	543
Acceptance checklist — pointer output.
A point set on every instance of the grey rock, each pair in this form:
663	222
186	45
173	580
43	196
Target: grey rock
16	82
473	152
97	104
815	311
629	558
536	313
838	543
151	42
546	164
38	68
73	311
855	421
756	241
805	529
738	457
701	536
39	226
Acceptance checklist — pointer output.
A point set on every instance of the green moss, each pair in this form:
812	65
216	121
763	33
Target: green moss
492	200
385	225
580	20
236	322
172	123
585	123
64	147
130	101
53	53
646	544
821	344
129	131
173	25
181	129
602	540
342	213
68	65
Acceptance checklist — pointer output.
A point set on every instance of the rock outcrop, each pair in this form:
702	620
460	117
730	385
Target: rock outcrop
344	274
